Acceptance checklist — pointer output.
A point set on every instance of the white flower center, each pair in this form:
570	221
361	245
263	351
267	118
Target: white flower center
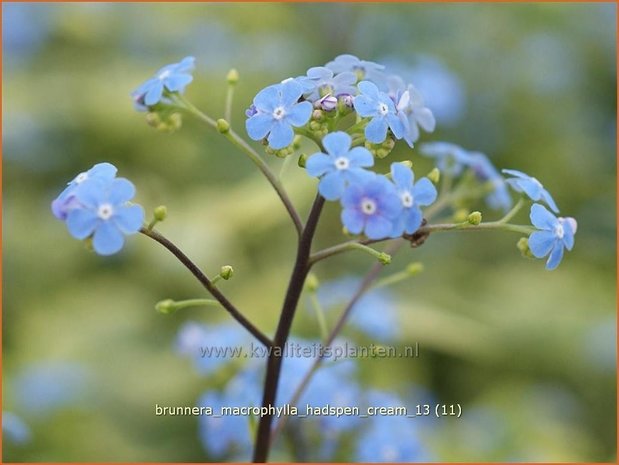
279	113
407	199
559	231
105	211
80	178
342	163
368	206
383	109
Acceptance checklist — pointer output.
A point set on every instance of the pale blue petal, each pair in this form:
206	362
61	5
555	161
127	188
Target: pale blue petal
424	192
318	164
299	114
360	157
365	106
352	195
153	95
319	72
267	99
81	223
541	242
368	88
129	219
331	185
337	143
403	176
178	82
390	204
91	193
259	125
396	125
546	197
353	220
378	227
425	119
555	257
121	190
345	79
568	237
107	239
414	217
281	135
531	188
376	130
541	218
291	91
516	173
186	65
102	170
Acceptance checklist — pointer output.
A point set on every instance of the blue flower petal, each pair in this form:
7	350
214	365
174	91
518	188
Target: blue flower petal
353	220
365	106
368	88
376	130
378	227
259	125
153	95
121	190
413	219
281	135
107	239
424	192
91	193
81	223
331	185
541	242
299	114
546	197
267	99
555	257
337	143
516	173
396	125
129	219
290	91
360	157
102	170
318	164
541	218
178	82
402	176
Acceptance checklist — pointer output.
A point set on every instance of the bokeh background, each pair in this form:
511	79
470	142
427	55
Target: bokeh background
529	354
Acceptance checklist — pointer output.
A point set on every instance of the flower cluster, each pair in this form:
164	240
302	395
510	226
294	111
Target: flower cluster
169	79
96	205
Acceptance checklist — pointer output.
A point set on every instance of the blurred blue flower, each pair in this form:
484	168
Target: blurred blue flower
25	28
499	198
277	111
367	70
412	195
389	438
14	429
173	78
411	109
377	105
522	182
45	387
450	158
207	345
339	166
371	206
554	235
66	201
375	313
105	214
321	81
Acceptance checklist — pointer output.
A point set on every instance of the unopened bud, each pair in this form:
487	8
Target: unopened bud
474	218
312	283
223	126
384	258
232	77
415	268
166	306
434	175
523	246
226	272
160	213
318	115
327	103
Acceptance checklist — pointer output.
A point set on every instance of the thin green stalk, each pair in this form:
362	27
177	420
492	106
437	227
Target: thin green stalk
346	246
228	107
320	314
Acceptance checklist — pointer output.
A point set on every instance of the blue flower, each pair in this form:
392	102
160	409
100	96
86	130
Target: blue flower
367	70
450	158
499	198
104	214
522	182
14	429
339	166
554	235
389	438
371	206
412	195
210	347
377	105
413	114
173	78
277	110
321	81
66	201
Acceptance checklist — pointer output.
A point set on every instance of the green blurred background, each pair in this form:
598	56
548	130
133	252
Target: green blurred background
530	354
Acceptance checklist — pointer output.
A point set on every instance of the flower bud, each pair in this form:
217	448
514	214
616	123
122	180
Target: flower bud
327	103
226	272
223	126
523	246
166	306
318	115
160	213
384	258
312	283
232	77
474	218
434	175
346	100
415	268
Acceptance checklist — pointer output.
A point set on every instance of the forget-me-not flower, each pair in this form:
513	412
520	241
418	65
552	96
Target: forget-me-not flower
450	158
414	114
377	105
66	201
413	195
105	214
554	235
173	78
371	206
339	166
367	70
321	81
499	198
278	110
522	182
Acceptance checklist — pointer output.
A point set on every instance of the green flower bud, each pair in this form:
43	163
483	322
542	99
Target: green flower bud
415	268
318	115
523	246
167	306
160	213
474	218
223	126
226	272
232	77
434	175
312	283
384	258
302	160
